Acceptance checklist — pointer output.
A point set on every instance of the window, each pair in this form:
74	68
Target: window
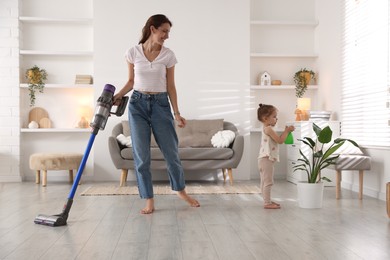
365	112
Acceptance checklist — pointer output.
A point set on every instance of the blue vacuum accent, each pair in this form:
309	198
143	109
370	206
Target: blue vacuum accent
103	111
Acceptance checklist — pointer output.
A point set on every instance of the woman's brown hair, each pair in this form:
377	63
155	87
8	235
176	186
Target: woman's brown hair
264	111
156	21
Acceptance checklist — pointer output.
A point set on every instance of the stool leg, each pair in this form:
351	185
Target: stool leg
37	176
44	178
338	184
361	184
71	176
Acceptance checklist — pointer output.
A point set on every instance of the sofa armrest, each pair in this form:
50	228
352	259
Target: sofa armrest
117	130
238	150
115	152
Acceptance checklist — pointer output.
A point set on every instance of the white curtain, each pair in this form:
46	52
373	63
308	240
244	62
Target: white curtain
365	112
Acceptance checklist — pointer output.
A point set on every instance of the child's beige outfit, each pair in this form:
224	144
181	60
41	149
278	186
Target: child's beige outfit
268	154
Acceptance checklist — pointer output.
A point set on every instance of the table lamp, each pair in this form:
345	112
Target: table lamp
304	104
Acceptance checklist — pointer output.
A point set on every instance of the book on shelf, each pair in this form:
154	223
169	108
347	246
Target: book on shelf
84	79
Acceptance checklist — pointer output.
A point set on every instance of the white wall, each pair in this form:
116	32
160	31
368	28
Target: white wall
329	41
9	92
211	42
212	80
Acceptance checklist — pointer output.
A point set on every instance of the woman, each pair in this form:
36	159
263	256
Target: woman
151	76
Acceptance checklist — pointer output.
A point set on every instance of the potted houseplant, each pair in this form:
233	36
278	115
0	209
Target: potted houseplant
321	155
302	78
35	78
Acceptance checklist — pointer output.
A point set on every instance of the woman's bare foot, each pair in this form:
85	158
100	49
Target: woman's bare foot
273	202
149	207
184	196
271	206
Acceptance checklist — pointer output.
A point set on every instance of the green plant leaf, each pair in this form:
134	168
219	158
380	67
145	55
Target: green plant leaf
332	149
338	140
308	141
320	158
317	130
325	135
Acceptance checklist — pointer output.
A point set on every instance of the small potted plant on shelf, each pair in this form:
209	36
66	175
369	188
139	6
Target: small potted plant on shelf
302	78
35	78
322	154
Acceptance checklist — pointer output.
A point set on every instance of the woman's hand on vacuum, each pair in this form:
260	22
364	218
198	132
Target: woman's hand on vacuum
117	99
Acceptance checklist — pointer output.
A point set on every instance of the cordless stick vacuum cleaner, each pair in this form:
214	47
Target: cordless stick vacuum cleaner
99	120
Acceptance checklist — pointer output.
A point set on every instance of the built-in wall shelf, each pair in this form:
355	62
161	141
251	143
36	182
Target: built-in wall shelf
31	19
280	87
258	130
283	55
55	130
56	53
58	86
285	23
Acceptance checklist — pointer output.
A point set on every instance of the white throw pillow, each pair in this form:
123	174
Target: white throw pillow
223	138
124	140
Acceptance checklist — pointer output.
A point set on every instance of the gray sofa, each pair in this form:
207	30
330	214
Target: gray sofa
194	154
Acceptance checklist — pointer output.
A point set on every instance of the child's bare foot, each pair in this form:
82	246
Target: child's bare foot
184	196
149	207
273	202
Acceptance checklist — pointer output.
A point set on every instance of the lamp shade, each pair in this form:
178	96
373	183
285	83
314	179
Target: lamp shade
304	104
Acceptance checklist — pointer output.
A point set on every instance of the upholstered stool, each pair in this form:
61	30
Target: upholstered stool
351	162
54	161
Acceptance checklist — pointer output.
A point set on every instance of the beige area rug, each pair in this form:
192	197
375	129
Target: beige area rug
165	189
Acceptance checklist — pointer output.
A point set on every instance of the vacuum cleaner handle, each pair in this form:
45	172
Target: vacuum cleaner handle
120	110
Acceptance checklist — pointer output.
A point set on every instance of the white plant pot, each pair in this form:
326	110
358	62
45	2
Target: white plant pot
310	195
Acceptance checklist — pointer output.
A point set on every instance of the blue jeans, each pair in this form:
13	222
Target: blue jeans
147	113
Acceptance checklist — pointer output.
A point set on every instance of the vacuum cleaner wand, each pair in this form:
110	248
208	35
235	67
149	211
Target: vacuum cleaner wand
102	112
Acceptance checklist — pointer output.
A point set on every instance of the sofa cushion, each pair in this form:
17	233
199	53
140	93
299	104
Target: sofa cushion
126	132
352	162
198	133
200	153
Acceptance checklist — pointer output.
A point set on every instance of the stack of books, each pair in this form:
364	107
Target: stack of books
84	79
320	115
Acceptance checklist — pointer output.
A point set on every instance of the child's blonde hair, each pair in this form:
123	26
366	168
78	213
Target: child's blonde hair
264	111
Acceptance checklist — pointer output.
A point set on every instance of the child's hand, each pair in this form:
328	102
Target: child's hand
290	128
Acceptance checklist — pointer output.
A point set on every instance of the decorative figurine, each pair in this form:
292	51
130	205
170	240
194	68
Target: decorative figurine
265	79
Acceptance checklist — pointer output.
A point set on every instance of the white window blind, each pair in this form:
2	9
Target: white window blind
365	75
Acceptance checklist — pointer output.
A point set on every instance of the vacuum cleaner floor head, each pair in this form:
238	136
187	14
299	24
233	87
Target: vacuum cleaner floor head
50	220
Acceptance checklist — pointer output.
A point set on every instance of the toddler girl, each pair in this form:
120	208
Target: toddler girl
269	151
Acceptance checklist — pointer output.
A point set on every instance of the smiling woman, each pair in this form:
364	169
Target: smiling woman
151	77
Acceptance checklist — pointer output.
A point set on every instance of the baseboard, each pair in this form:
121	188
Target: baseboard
366	191
64	178
10	179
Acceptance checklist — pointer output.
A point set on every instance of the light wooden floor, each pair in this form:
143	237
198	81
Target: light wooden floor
224	227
